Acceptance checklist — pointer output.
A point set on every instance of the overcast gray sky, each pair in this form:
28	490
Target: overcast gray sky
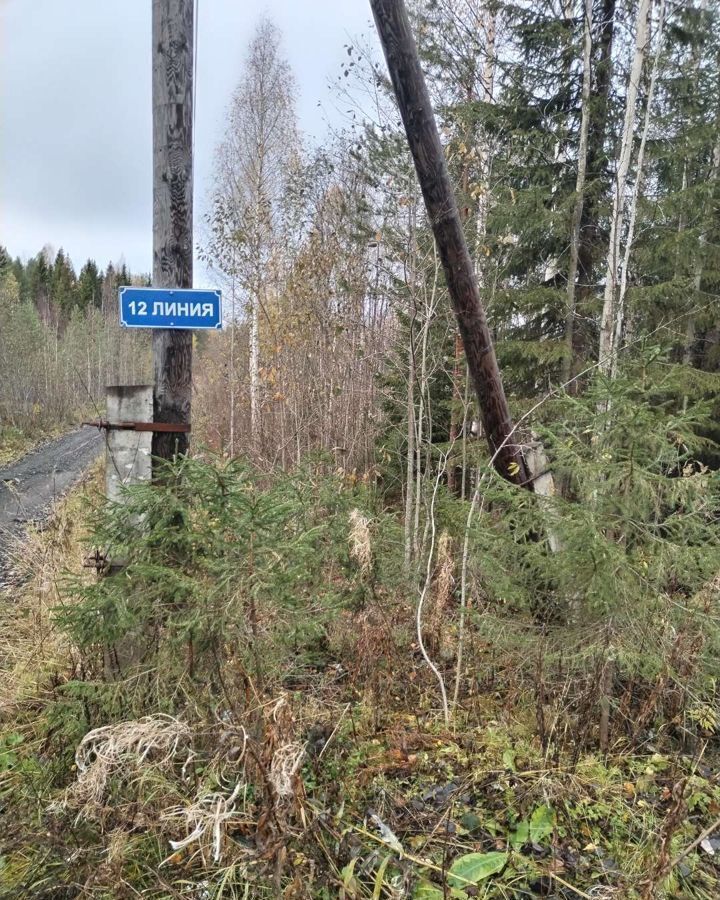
75	110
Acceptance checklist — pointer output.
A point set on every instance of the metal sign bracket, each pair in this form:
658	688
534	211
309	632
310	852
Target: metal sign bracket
172	427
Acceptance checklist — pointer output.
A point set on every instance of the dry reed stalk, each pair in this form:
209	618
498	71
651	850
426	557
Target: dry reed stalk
208	817
360	541
443	591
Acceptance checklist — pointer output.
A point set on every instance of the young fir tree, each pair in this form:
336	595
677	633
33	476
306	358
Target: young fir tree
5	262
89	286
63	285
39	282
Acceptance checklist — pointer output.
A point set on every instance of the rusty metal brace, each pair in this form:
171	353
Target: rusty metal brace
172	427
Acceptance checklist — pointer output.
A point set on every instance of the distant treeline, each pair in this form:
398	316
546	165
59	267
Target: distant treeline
61	339
49	281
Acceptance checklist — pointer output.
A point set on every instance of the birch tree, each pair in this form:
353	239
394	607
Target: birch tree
252	160
608	324
632	213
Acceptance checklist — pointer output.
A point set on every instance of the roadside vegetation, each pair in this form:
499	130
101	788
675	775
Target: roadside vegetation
333	653
14	443
61	344
247	709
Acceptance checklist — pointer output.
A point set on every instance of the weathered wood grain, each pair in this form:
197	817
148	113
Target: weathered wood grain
172	90
417	114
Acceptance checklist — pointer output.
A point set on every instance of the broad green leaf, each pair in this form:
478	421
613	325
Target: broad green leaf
542	822
473	867
534	830
521	835
508	759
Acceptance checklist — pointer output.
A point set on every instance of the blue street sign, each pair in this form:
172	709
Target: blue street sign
161	308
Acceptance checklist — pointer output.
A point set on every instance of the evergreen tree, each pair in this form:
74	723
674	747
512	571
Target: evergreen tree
676	267
123	275
63	284
20	273
89	286
5	262
108	289
39	282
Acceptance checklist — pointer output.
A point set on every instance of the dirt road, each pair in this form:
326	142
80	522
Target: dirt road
29	486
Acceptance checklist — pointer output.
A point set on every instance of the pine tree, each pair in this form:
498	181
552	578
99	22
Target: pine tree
123	275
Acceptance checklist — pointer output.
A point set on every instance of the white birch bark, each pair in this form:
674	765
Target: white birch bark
424	412
608	327
232	367
620	305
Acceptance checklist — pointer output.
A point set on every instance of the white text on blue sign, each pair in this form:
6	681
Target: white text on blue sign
170	308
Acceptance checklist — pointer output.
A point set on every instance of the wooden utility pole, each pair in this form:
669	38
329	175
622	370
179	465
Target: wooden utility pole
172	89
416	110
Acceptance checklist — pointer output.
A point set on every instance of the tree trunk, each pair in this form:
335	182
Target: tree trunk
232	368
579	193
608	324
454	410
620	312
429	312
702	241
410	461
414	102
255	373
590	236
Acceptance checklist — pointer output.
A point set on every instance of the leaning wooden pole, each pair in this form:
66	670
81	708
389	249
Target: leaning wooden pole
416	110
172	91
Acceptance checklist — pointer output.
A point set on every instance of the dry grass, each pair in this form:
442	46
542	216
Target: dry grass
30	644
360	541
285	765
443	586
14	444
223	784
125	749
273	759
